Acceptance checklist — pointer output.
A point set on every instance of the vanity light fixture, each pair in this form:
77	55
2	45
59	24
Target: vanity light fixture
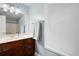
5	7
10	8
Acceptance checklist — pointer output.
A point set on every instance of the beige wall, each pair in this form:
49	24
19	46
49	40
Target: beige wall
11	28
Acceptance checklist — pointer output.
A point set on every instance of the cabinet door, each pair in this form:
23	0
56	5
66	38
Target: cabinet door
0	48
12	49
24	47
16	51
29	47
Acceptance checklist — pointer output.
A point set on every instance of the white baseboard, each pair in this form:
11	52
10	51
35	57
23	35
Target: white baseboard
56	51
36	54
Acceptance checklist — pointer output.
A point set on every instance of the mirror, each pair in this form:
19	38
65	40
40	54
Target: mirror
13	18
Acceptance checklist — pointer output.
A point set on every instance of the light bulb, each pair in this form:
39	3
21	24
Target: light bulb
18	10
11	11
16	13
5	5
5	9
12	8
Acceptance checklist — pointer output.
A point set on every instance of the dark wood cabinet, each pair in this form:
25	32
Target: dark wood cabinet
29	47
24	47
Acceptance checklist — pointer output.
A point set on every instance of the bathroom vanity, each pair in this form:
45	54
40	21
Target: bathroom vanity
22	45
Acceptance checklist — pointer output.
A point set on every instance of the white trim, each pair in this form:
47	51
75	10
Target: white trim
36	54
56	51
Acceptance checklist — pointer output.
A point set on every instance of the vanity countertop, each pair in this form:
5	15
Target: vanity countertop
14	37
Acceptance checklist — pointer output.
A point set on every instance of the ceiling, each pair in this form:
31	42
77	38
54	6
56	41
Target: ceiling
13	16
